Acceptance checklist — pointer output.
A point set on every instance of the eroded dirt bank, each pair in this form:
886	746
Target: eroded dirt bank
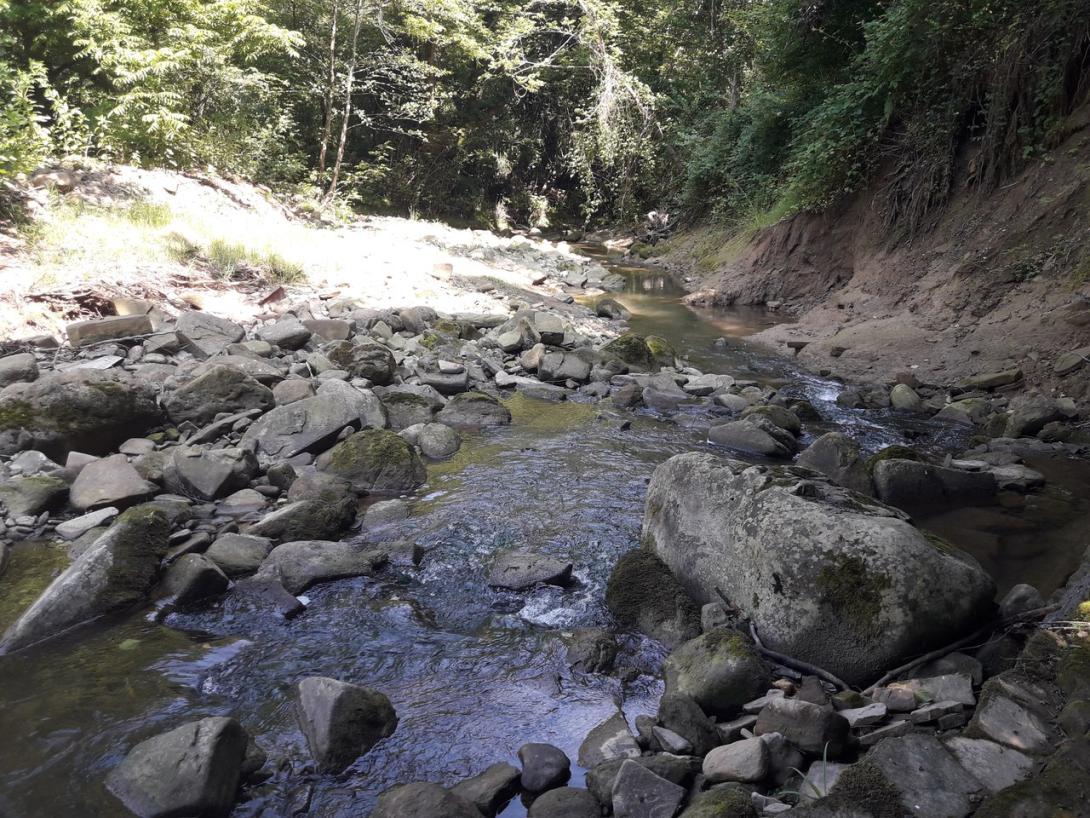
998	282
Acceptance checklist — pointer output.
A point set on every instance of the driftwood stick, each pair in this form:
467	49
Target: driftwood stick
797	664
1019	619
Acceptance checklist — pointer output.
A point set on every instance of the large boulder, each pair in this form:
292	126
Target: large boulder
375	461
219	389
406	408
631	349
312	424
84	410
190	770
826	575
721	670
33	494
342	721
318	519
115	572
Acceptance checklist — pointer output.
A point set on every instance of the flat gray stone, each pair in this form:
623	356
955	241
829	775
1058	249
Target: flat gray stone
518	570
110	481
745	761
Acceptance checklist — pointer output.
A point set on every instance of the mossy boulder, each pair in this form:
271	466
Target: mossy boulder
643	594
632	349
33	494
87	411
375	461
892	453
720	670
826	575
723	801
306	520
662	351
117	571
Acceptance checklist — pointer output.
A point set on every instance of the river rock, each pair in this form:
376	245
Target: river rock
384	513
292	390
18	368
810	727
190	770
631	349
993	765
642	593
287	332
298	565
930	780
755	435
374	461
826	575
82	333
312	424
683	716
543	767
410	408
720	671
781	416
904	398
491	790
111	481
89	411
423	800
306	519
909	483
730	801
1015	712
209	474
608	741
437	440
640	793
474	410
565	802
193	577
368	360
262	371
238	554
679	770
745	760
114	572
206	335
342	721
518	570
219	389
33	495
591	650
1030	413
840	459
557	366
78	526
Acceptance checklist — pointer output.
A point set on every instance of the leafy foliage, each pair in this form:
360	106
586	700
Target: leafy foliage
540	112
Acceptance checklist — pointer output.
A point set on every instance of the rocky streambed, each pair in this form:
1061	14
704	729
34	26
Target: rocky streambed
284	569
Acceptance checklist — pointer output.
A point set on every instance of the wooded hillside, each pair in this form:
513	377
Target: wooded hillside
552	111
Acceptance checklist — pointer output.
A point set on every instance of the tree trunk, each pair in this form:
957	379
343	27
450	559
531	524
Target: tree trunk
327	126
349	87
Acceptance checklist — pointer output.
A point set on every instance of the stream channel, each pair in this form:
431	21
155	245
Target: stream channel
473	672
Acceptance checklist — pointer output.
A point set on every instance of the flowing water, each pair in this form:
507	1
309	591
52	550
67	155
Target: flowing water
473	672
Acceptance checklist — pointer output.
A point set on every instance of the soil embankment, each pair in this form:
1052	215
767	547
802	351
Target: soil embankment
998	281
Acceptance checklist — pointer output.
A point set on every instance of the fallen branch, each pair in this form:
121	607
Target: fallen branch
797	664
1018	619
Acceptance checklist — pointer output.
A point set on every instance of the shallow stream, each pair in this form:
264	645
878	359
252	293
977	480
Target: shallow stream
473	673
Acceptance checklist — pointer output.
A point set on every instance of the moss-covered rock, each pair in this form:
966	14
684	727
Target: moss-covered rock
307	520
662	351
115	572
33	495
892	453
368	360
862	791
1061	790
723	801
84	410
632	349
375	461
1073	673
218	389
406	409
721	670
643	594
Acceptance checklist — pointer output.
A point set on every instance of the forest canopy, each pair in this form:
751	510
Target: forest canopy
539	112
